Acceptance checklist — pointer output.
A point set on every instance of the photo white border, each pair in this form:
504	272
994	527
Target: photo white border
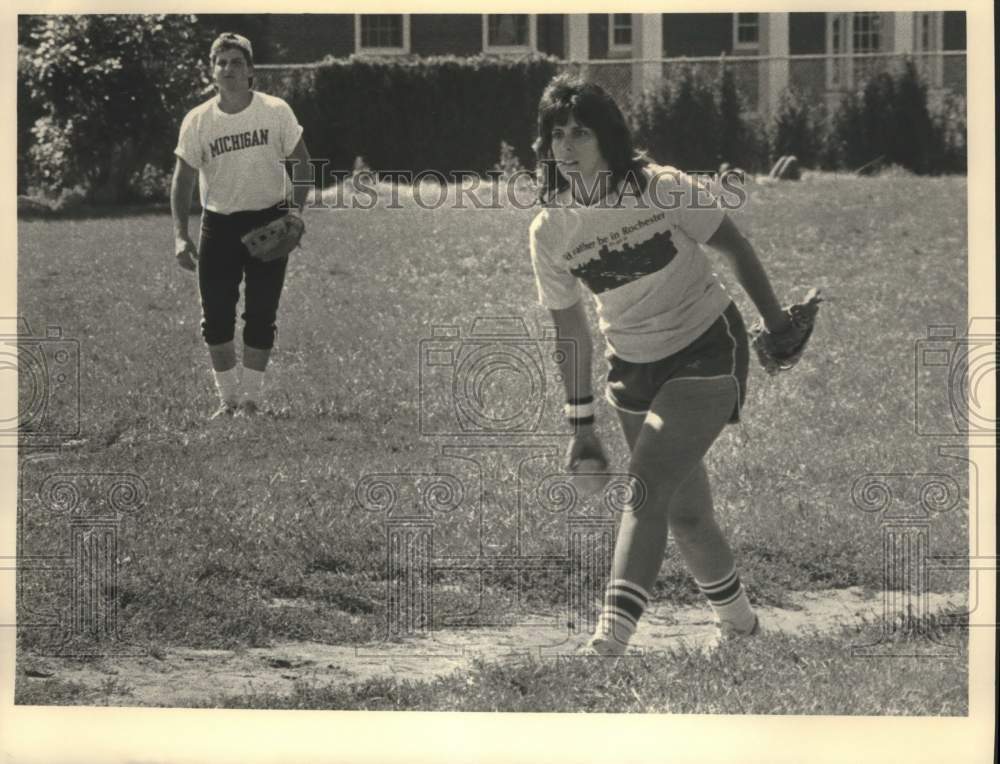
91	735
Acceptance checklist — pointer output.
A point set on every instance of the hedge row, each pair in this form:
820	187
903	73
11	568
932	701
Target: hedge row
441	113
447	114
697	120
886	122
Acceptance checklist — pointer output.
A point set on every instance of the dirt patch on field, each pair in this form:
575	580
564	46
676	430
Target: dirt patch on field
179	676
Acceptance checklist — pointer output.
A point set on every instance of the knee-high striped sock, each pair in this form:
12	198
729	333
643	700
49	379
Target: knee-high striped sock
729	600
624	604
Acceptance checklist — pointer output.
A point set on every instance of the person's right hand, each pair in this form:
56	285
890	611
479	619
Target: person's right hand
187	254
585	445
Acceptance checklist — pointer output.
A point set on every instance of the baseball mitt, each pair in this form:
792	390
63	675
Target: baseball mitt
276	239
780	352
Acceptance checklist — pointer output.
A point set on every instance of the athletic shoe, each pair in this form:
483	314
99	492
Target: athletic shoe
726	632
225	410
603	648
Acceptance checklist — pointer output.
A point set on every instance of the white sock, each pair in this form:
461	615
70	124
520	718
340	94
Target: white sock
228	384
624	604
729	600
253	384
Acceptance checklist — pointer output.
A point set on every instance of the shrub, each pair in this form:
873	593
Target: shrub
113	90
798	128
29	110
950	135
441	113
679	123
740	138
694	122
889	121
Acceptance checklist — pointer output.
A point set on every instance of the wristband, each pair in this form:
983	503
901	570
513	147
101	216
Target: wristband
580	410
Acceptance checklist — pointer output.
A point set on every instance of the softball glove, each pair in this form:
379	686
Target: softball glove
276	239
780	352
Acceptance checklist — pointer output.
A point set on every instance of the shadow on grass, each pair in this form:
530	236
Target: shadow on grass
39	211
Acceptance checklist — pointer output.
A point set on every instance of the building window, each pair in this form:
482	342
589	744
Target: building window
866	32
838	46
382	33
620	29
929	32
928	40
746	30
509	32
851	38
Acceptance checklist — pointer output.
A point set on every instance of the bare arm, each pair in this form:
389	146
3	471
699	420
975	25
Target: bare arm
575	366
743	260
181	190
300	171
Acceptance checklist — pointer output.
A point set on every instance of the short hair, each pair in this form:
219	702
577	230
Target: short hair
591	106
232	41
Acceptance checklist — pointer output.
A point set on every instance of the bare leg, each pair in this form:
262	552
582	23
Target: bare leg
691	515
685	418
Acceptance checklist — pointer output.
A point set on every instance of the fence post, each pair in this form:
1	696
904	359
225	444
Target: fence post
578	42
648	37
775	69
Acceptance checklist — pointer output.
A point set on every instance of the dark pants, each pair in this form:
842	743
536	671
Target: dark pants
223	262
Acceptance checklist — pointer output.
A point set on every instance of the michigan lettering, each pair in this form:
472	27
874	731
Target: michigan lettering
238	141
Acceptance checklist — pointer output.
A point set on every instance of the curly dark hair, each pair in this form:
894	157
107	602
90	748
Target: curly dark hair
591	106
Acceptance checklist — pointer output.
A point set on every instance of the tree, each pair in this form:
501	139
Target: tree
113	90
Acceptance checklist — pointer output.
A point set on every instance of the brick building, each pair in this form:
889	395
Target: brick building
823	54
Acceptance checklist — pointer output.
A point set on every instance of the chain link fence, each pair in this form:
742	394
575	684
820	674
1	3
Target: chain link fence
821	78
818	77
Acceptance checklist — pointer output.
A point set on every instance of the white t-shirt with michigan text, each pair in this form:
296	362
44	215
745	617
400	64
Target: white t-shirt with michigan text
653	285
239	156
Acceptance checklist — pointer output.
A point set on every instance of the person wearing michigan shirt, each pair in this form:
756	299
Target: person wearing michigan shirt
235	146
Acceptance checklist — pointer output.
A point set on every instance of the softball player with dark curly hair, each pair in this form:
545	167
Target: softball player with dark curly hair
235	146
677	347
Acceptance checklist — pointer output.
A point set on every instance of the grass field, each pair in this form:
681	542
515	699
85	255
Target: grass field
244	512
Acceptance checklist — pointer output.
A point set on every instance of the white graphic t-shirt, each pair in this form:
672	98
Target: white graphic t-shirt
239	156
653	285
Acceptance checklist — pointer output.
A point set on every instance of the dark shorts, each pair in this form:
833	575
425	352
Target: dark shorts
722	351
